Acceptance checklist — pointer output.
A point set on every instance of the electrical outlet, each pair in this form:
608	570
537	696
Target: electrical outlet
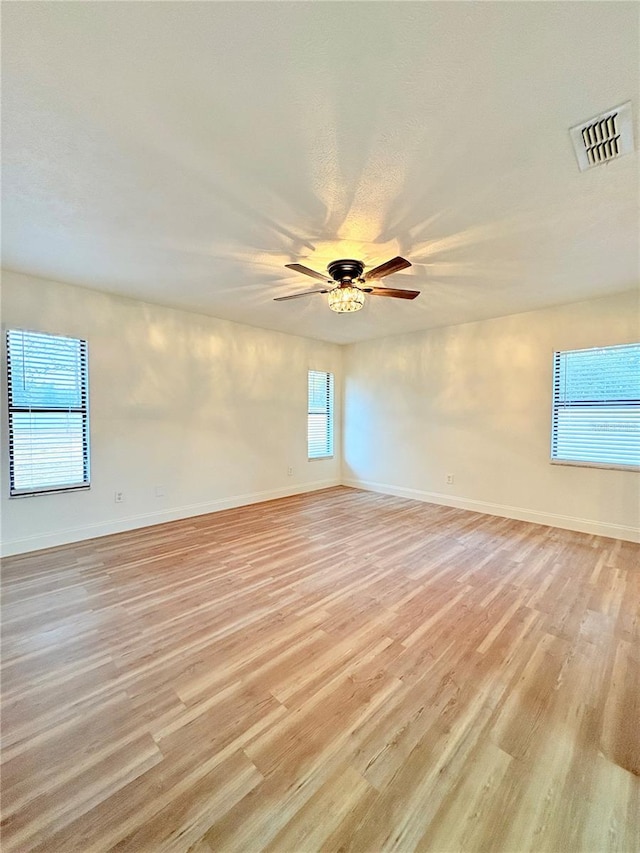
289	471
449	479
118	497
159	491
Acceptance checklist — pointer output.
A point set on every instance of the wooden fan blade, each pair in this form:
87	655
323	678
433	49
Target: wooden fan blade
298	295
395	293
394	265
307	271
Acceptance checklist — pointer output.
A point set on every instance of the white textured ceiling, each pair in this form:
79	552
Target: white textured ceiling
182	153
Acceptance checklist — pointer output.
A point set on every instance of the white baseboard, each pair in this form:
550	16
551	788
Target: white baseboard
90	531
133	522
565	522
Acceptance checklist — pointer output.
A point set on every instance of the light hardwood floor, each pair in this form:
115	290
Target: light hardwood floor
340	671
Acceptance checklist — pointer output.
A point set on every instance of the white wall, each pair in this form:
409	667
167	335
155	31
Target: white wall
475	400
213	411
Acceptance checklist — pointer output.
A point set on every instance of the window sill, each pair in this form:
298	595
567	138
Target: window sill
571	463
318	458
59	491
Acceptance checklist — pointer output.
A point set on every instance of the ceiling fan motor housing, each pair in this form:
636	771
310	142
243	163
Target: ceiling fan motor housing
346	270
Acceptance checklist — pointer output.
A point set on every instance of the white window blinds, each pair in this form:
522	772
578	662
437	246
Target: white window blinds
48	412
596	406
320	420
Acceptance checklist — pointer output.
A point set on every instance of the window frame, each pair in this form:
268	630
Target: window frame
557	405
329	414
82	409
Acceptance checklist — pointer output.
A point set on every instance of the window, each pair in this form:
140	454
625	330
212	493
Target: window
320	421
596	406
48	413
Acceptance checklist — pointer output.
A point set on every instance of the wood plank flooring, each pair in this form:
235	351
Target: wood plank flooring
340	671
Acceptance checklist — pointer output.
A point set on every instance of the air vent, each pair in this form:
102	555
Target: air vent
603	138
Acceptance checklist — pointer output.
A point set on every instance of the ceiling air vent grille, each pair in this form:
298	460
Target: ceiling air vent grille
603	138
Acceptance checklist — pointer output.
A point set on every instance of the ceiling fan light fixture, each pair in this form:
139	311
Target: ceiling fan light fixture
345	298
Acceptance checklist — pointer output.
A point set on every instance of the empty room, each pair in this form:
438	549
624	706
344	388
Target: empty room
320	394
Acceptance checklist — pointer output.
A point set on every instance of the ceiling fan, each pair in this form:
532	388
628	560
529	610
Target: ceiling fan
349	283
